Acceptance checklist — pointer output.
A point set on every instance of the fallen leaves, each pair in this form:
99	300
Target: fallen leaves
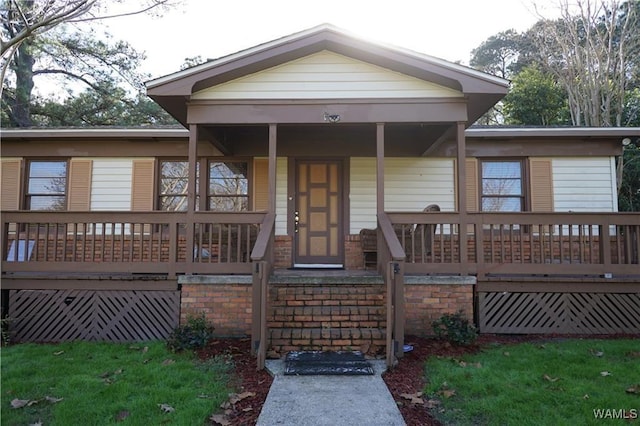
550	379
635	389
20	403
122	415
166	408
605	373
229	406
414	398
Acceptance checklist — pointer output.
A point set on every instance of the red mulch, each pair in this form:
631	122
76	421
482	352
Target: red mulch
406	378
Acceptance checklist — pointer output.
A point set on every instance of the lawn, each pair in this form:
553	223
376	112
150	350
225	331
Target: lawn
562	382
105	383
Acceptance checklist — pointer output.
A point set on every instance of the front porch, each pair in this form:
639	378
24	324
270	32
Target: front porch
509	272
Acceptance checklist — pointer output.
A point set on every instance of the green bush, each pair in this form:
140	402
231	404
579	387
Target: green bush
193	335
456	328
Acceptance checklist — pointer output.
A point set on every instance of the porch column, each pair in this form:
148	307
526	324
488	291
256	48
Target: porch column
191	194
380	167
462	195
273	136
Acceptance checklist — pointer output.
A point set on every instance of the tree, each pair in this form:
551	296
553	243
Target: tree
589	52
35	41
629	187
497	54
534	99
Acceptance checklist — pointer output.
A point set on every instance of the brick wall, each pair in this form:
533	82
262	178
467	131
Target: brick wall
424	303
226	306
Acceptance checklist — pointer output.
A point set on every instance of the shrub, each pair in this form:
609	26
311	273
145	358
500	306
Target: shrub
456	328
193	335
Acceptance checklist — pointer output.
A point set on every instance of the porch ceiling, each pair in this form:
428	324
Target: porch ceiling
402	140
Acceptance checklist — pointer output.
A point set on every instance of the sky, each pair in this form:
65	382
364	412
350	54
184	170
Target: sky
447	29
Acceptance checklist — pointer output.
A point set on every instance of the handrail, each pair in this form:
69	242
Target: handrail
395	248
264	238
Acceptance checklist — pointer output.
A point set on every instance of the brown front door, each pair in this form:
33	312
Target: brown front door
318	214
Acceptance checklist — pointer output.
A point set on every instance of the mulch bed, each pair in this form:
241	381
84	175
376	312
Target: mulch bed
406	378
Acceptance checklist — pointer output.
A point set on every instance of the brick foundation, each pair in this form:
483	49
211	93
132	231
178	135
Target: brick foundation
226	306
425	303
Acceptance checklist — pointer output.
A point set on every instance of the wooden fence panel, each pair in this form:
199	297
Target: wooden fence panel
550	312
102	315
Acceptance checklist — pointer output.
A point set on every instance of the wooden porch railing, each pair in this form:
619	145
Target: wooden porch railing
391	258
517	244
262	258
128	242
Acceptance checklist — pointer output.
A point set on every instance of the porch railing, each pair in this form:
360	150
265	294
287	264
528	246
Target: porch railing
391	260
128	242
506	244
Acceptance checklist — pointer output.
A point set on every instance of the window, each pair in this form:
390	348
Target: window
228	186
174	183
502	186
46	185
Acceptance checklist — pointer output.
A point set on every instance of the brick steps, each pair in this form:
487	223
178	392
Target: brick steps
323	339
326	315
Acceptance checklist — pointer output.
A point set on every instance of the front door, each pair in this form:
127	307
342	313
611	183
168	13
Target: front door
318	214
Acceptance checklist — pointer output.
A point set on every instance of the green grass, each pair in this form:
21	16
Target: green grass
555	383
100	381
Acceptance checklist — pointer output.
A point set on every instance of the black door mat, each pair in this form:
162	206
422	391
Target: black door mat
307	363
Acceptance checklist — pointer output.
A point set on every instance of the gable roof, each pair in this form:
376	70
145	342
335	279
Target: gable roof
174	90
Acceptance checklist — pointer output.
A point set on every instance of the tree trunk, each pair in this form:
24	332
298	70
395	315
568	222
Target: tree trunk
23	67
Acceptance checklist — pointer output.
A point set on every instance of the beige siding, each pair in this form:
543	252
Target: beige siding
281	196
584	184
471	187
326	75
541	184
80	184
362	197
142	185
260	184
411	184
111	184
10	183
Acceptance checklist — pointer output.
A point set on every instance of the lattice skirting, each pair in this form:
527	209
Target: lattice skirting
118	316
570	313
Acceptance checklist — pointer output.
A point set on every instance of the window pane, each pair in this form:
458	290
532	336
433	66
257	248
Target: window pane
173	203
47	185
501	204
49	169
47	203
501	186
228	178
228	204
501	169
174	185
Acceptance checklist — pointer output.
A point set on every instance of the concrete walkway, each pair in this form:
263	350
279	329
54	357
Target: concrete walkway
328	400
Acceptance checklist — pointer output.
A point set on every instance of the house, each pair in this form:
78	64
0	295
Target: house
253	212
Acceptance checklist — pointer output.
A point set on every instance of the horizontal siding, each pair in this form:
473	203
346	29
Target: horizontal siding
411	184
281	196
326	75
362	197
584	185
111	184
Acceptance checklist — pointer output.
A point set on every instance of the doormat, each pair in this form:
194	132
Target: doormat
340	363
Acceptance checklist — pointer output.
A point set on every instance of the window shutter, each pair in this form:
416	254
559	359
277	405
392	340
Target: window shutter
142	185
10	176
79	198
472	184
541	173
260	184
